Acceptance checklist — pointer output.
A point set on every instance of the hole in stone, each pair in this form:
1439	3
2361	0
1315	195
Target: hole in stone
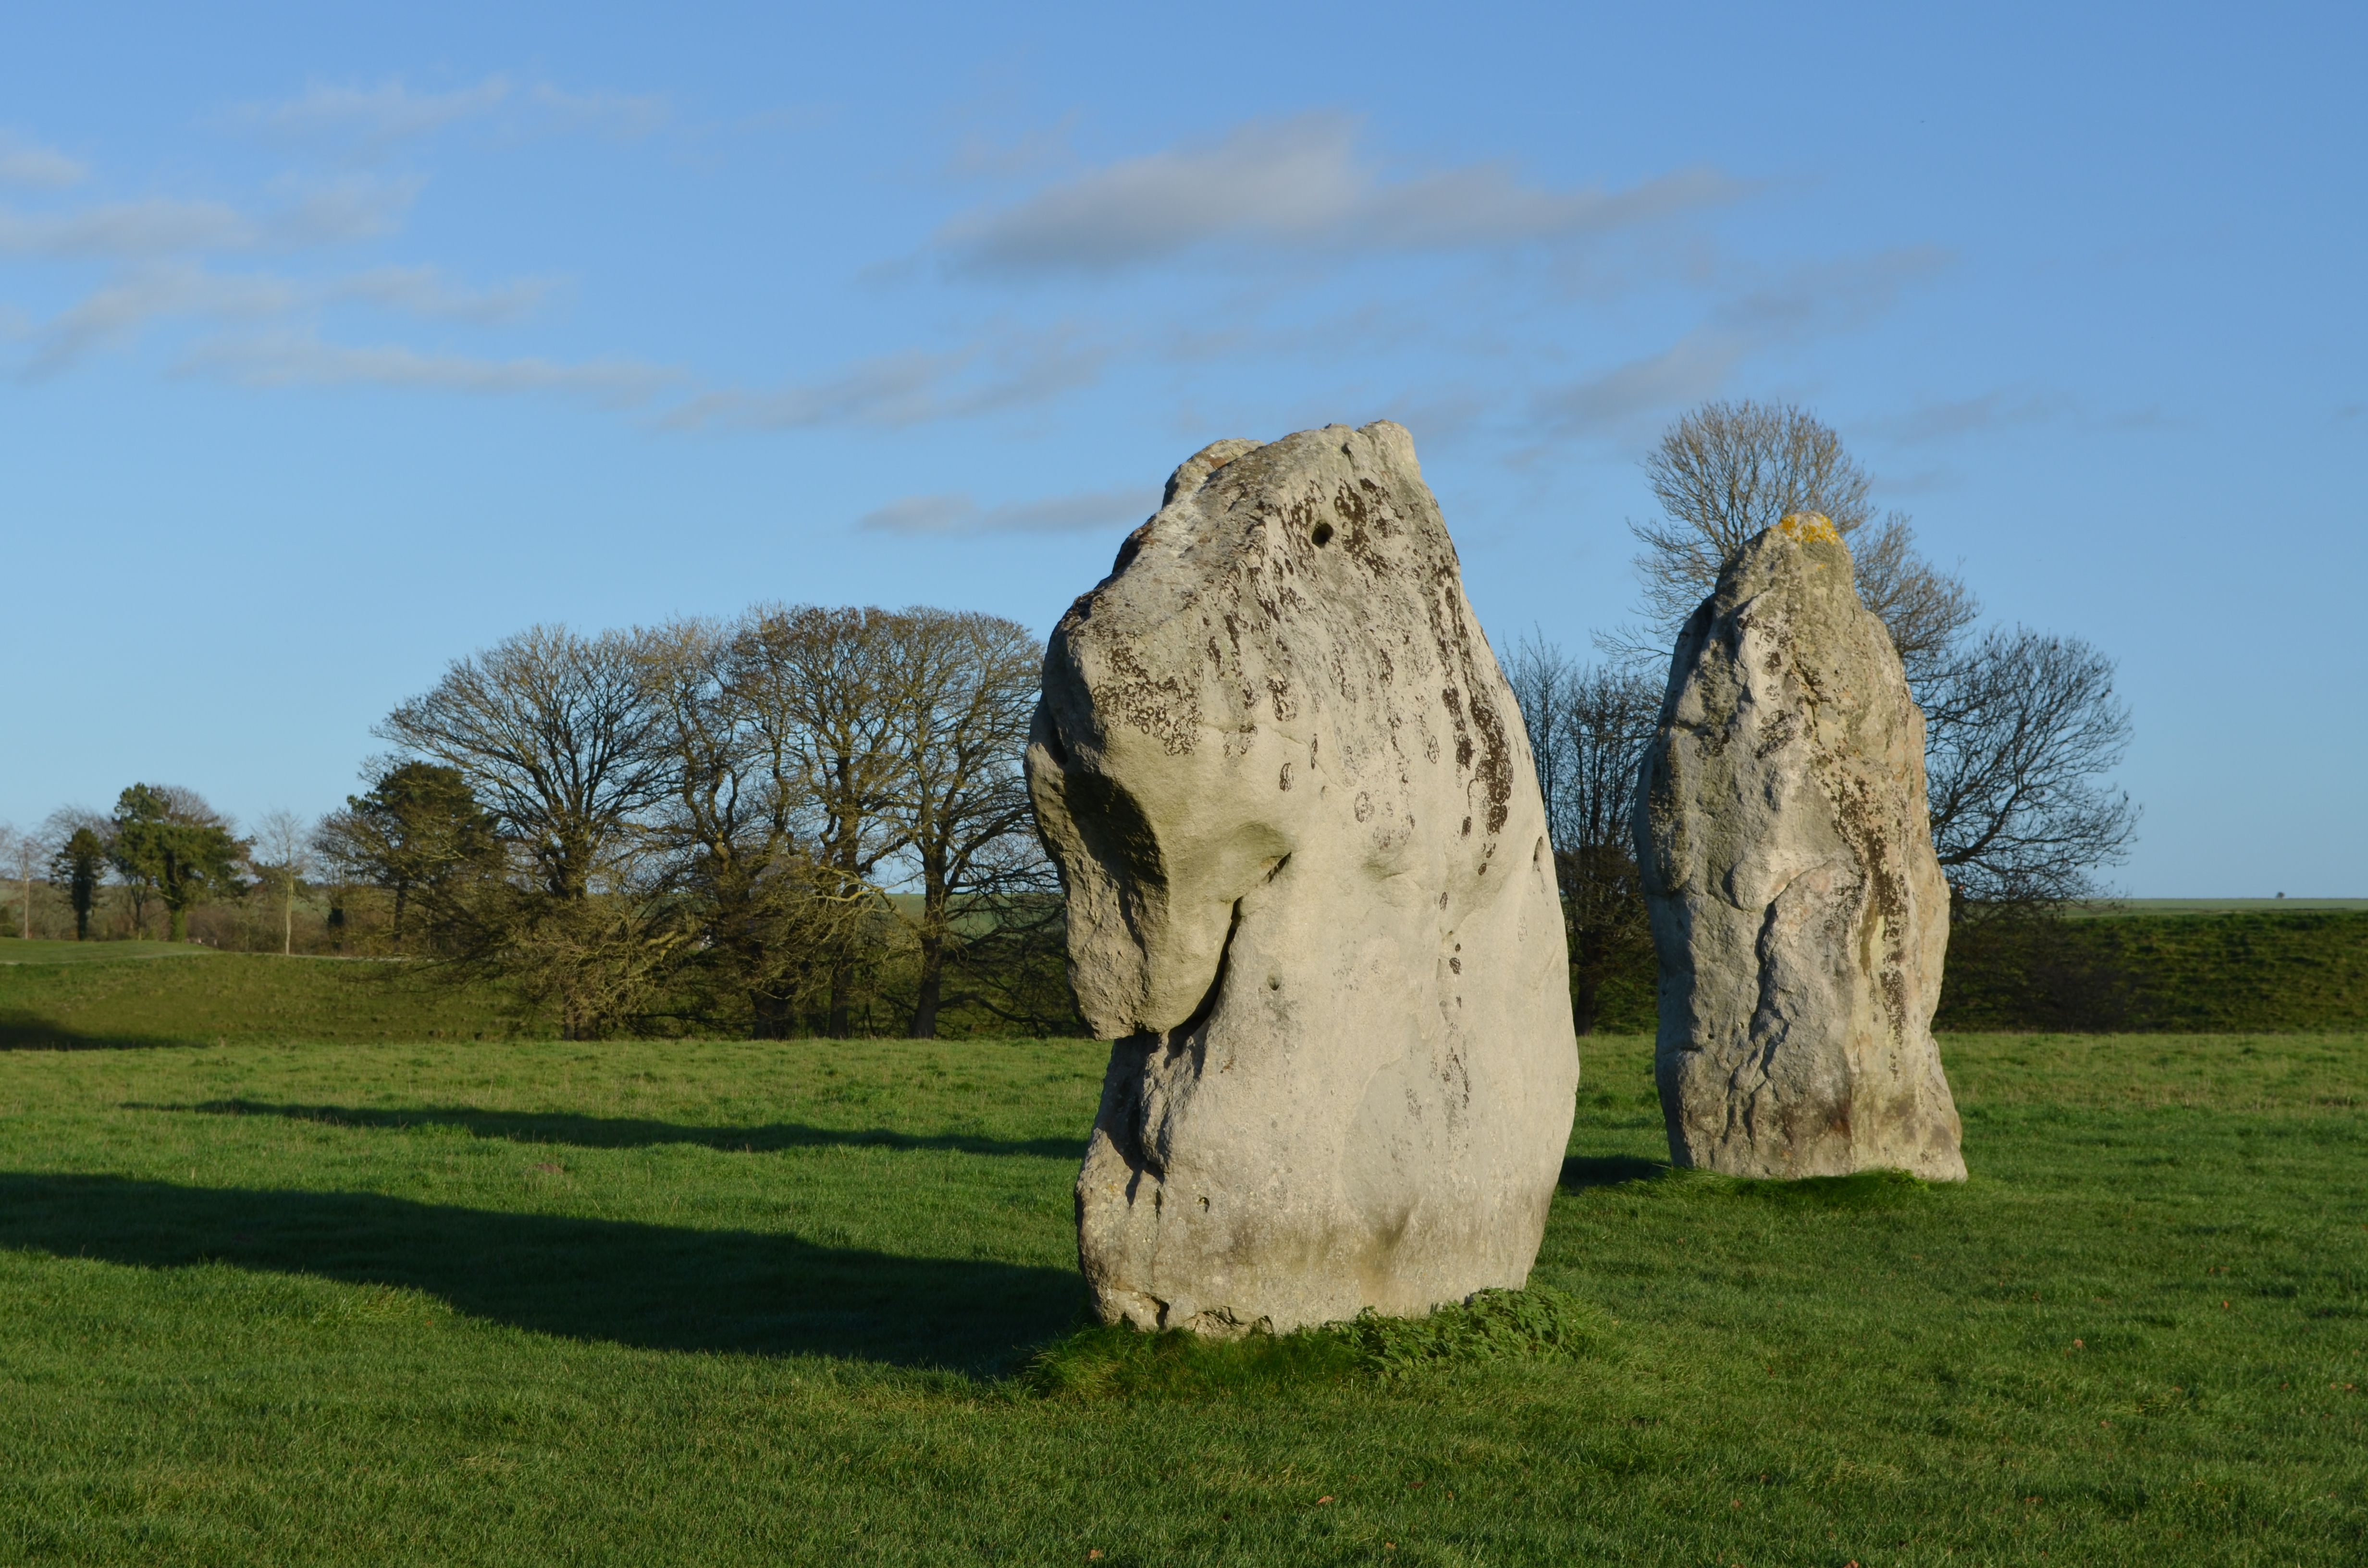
1055	749
1323	534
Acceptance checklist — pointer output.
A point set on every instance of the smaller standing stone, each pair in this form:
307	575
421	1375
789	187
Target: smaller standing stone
1797	905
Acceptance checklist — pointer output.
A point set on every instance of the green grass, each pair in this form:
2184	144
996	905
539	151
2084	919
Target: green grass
532	1302
106	995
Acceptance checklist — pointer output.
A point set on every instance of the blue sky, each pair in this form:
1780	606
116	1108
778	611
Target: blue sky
334	346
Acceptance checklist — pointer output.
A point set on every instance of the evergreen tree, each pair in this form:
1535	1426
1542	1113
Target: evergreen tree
77	867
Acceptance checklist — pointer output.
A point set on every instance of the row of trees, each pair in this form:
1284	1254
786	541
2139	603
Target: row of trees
751	824
705	824
2021	726
163	848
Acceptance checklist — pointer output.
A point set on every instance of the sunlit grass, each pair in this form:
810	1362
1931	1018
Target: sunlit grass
535	1302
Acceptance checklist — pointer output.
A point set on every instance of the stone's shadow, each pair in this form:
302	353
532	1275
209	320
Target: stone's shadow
653	1286
1580	1172
630	1132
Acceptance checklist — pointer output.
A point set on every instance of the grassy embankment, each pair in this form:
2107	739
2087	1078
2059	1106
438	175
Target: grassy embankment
2171	965
73	995
2200	969
529	1302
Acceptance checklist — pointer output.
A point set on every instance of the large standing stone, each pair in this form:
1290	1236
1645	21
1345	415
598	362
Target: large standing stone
1797	905
1310	895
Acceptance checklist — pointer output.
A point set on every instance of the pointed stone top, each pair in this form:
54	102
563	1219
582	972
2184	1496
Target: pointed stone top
1807	527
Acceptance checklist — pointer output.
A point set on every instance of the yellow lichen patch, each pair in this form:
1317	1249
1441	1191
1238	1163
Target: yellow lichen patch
1804	527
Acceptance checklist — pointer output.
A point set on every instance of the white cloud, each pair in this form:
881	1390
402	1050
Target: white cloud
336	213
431	292
922	514
118	309
958	514
1008	370
1693	367
1295	183
1808	302
389	112
1964	416
29	162
623	116
287	360
375	119
126	228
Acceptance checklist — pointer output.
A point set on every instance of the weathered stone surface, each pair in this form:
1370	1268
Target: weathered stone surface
1798	908
1311	898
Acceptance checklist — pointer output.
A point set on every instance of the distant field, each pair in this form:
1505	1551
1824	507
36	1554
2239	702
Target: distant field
536	1302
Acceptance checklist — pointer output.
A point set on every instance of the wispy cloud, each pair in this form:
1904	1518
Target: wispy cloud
118	309
1299	183
1965	416
622	116
373	119
1808	302
431	291
338	212
23	162
391	111
291	359
1009	369
153	227
960	514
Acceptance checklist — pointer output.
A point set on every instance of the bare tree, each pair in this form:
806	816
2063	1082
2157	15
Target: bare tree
2021	726
1725	471
738	828
559	735
965	690
556	734
22	852
819	688
281	855
1588	727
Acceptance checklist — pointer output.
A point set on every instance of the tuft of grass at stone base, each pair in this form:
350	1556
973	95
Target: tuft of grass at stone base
1492	1328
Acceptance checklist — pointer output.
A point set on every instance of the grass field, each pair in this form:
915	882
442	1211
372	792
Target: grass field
530	1302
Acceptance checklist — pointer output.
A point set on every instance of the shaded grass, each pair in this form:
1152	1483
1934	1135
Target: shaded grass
453	1303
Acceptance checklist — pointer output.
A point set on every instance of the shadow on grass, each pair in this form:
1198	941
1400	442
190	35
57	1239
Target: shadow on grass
630	1132
1582	1171
22	1030
657	1286
1862	1189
